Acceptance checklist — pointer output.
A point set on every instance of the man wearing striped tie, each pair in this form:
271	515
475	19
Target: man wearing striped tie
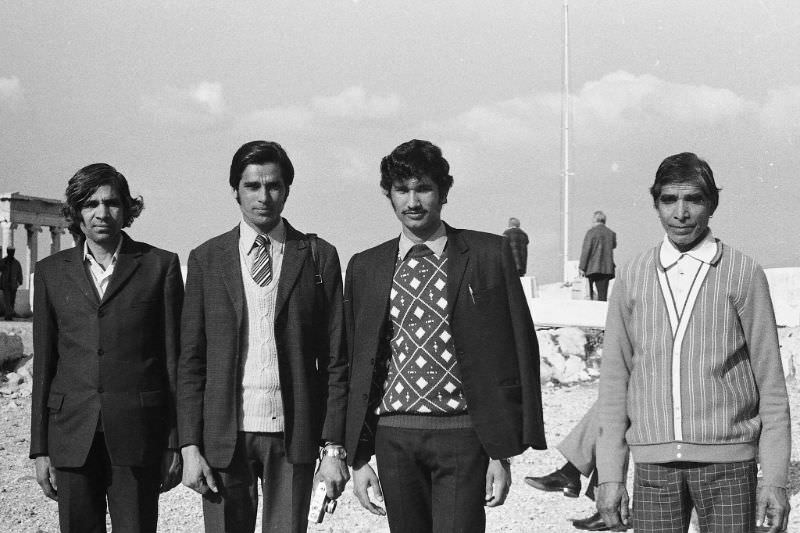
262	376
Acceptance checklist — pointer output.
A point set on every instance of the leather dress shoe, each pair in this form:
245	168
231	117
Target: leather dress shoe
556	482
595	523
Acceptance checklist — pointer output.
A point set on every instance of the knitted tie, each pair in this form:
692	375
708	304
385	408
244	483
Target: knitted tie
419	250
262	264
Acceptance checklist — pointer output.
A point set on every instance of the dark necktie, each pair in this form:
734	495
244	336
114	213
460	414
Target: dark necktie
262	264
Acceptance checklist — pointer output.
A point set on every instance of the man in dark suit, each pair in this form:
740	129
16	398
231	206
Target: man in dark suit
105	333
597	256
444	361
518	240
262	377
10	280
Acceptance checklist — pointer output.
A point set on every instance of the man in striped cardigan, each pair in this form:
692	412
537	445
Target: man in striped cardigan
692	381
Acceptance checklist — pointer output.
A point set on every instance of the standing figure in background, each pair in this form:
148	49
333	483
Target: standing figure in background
518	240
597	256
10	280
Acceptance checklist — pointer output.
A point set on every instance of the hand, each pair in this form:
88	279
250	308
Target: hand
498	482
46	476
612	504
364	477
170	470
581	274
197	475
333	471
772	509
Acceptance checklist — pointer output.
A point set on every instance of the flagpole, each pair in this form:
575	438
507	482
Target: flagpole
565	115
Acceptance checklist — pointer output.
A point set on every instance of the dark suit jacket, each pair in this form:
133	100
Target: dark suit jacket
113	358
597	253
309	333
495	341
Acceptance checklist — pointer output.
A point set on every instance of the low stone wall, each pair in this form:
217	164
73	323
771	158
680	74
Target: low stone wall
570	355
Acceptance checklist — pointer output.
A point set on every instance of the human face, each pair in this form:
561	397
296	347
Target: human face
418	206
684	210
102	216
261	195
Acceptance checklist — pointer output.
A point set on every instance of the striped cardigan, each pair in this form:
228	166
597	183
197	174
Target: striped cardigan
707	386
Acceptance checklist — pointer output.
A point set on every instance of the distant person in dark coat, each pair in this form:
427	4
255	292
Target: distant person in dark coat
10	279
597	256
518	240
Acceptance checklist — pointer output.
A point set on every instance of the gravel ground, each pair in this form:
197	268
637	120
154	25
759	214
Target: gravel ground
24	509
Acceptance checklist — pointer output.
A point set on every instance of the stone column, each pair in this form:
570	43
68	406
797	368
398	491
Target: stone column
55	239
33	249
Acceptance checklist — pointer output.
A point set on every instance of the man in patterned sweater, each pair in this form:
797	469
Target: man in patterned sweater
692	381
444	362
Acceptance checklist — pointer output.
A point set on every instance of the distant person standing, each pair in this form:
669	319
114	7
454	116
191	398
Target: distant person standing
597	256
10	279
518	240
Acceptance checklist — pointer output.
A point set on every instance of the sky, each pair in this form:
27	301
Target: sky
166	92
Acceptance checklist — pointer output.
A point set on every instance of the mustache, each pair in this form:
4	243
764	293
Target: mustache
410	211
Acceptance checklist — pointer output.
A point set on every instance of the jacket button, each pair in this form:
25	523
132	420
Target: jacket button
100	390
365	397
101	314
372	361
100	352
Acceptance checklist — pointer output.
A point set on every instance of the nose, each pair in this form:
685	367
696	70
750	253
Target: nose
413	199
102	211
681	210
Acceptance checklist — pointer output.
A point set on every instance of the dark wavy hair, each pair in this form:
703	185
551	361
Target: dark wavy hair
686	167
414	159
260	153
83	185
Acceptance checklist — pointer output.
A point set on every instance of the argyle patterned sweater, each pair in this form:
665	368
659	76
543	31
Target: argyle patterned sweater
422	375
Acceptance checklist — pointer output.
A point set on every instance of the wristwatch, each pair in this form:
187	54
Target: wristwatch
335	451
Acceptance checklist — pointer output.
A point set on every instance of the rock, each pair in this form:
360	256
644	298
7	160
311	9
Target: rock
789	339
571	342
25	368
573	370
14	379
11	348
545	372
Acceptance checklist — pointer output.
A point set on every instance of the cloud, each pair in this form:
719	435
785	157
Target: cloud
780	115
621	97
293	118
323	111
354	103
616	105
201	104
10	92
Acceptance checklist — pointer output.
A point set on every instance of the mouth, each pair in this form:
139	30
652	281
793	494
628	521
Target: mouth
414	214
682	230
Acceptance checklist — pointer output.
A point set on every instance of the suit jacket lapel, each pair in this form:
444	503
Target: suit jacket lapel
77	273
127	263
231	268
457	260
383	277
294	254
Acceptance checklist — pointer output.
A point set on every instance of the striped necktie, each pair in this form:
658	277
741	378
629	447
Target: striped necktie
262	264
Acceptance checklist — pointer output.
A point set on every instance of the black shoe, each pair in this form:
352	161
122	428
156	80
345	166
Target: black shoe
556	482
595	523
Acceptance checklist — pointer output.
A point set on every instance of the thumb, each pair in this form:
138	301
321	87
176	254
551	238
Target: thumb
210	480
376	487
489	488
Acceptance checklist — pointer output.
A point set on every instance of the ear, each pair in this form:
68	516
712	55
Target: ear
288	189
443	199
235	193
